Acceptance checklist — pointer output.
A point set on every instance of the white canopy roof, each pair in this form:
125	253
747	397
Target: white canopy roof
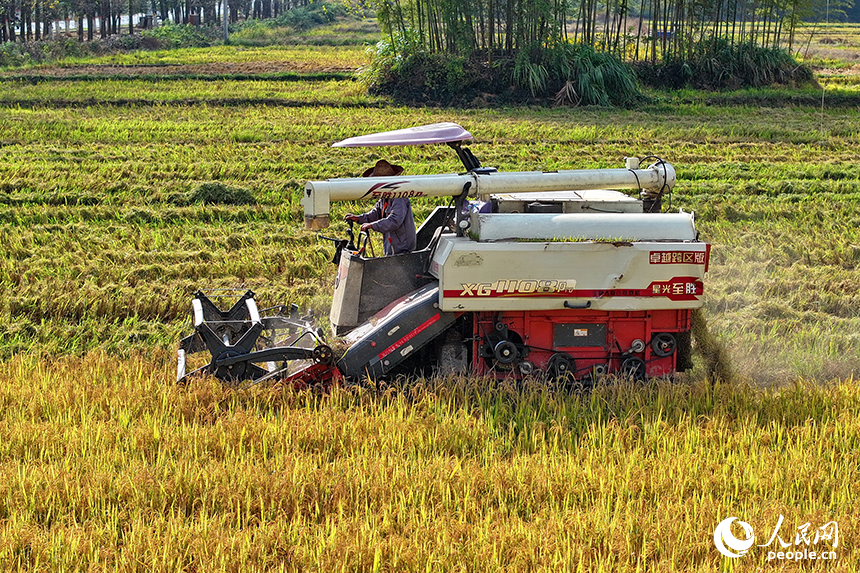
434	133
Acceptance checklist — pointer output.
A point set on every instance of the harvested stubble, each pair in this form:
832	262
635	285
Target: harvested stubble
777	200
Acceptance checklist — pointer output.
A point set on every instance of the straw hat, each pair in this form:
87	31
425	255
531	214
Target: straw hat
383	169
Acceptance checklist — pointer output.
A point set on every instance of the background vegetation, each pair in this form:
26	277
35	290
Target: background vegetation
312	24
120	196
579	51
29	20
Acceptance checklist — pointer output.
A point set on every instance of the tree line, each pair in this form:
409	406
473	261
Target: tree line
28	20
629	29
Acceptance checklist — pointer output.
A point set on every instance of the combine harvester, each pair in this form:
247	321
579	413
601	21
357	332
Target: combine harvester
523	273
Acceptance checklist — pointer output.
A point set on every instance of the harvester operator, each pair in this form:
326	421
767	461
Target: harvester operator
391	217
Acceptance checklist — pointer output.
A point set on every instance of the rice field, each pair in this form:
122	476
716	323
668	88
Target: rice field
318	57
107	465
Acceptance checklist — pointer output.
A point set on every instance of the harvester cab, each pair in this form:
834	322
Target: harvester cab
556	274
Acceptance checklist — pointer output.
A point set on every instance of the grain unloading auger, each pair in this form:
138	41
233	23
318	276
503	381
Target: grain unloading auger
524	273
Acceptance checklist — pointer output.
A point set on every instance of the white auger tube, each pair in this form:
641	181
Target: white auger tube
318	195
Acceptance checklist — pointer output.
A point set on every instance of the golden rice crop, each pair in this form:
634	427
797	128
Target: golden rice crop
106	465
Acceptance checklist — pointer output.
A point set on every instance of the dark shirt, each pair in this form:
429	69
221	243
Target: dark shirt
393	218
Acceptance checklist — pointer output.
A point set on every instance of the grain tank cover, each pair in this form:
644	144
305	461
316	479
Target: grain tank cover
446	132
602	262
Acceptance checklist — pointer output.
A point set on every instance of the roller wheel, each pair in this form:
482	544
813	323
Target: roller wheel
663	344
561	365
634	368
505	352
323	354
